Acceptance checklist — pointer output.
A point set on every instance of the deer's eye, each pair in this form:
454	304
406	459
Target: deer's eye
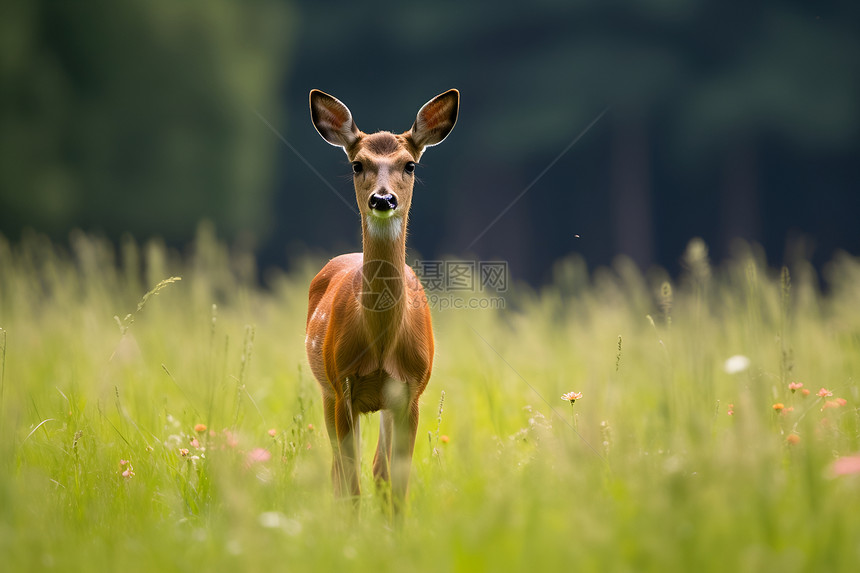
410	167
357	167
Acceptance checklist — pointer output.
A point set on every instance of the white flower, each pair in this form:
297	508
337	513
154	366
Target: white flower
737	363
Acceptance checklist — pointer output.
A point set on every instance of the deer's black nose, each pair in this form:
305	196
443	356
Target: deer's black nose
383	202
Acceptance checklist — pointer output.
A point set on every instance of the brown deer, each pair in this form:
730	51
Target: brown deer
369	337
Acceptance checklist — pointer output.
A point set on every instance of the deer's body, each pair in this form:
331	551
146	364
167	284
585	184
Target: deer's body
369	335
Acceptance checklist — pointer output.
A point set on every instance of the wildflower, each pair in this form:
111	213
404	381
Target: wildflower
841	401
444	439
736	364
824	393
731	411
805	392
571	396
129	469
183	452
258	455
311	427
779	407
789	409
792	439
273	432
846	465
833	404
194	443
200	428
231	439
795	386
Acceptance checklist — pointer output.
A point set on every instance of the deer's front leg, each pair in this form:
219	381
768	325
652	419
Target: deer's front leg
382	458
346	426
337	479
405	427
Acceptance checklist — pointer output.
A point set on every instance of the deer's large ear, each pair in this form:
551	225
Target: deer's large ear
435	120
333	120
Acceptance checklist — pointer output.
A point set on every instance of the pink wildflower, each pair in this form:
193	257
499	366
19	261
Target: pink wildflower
805	391
183	452
792	439
794	386
231	439
846	465
572	396
129	473
258	455
273	432
731	411
123	462
824	393
194	443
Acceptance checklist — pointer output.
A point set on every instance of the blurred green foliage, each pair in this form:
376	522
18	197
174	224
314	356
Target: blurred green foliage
138	116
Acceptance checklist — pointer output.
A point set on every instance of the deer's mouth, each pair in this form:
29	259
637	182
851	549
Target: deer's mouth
387	214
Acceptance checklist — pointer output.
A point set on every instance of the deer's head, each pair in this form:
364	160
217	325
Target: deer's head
383	163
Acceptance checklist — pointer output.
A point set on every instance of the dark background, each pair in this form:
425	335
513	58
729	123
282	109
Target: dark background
725	120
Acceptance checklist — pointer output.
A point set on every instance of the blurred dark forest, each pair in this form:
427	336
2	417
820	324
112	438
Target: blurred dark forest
723	120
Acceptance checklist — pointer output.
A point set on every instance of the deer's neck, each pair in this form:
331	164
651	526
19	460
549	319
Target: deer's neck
383	279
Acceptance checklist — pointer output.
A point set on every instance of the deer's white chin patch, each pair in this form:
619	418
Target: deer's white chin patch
387	227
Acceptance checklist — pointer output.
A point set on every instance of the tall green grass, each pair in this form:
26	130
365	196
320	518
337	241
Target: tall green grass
103	361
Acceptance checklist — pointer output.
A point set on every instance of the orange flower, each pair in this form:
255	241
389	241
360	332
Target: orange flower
779	407
794	386
841	401
833	404
824	393
731	411
444	439
200	428
571	396
792	439
805	392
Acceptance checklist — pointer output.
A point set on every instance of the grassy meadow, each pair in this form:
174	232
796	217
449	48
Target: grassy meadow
151	424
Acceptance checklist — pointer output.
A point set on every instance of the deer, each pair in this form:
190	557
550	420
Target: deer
369	336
